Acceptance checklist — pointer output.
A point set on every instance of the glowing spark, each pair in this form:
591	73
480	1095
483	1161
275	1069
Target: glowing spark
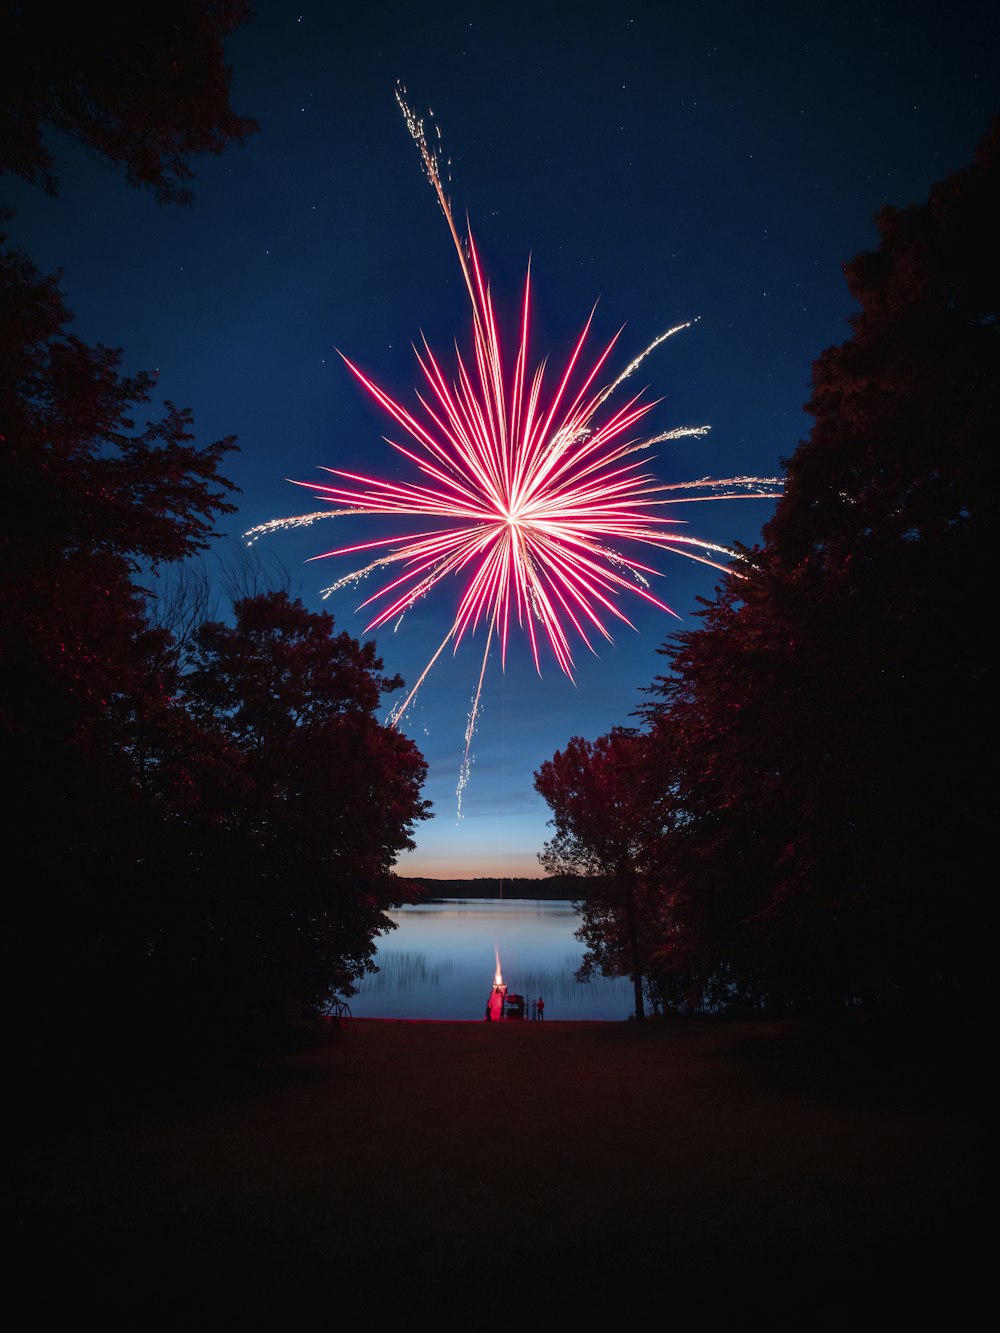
535	489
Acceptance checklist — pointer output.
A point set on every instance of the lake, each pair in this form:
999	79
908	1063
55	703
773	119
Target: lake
440	962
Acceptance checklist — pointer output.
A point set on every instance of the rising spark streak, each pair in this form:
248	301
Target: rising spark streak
531	489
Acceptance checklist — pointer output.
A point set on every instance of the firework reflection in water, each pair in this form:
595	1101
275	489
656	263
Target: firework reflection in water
439	963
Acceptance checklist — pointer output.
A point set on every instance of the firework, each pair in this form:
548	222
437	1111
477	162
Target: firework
535	487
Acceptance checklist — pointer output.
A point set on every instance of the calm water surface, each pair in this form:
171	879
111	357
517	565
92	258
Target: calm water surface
440	961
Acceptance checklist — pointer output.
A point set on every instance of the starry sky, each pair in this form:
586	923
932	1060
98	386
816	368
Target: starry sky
711	162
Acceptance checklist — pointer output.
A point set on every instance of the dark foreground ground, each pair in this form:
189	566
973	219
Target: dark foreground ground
690	1175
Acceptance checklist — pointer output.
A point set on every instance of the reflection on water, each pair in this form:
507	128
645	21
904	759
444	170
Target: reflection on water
440	961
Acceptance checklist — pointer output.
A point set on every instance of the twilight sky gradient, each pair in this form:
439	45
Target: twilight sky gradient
719	161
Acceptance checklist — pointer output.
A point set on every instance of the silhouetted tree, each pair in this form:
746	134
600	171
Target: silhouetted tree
205	833
608	820
88	502
144	87
331	797
831	726
89	509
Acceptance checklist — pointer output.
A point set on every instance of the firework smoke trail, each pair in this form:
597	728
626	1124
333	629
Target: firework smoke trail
530	489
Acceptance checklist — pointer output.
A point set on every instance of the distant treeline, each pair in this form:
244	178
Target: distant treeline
550	888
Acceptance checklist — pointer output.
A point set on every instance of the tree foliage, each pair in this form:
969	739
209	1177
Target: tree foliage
88	502
330	796
145	87
836	703
204	836
608	819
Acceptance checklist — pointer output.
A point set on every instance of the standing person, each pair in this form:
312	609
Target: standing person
541	1008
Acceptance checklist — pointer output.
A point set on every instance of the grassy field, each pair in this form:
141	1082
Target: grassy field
697	1173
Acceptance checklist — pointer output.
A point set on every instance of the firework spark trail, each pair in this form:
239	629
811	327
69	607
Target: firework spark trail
531	489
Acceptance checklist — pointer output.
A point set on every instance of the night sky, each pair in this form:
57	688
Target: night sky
719	162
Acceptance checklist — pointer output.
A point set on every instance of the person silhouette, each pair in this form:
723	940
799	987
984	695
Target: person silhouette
541	1007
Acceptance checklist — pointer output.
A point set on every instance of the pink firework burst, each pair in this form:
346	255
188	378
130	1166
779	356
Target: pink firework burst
533	488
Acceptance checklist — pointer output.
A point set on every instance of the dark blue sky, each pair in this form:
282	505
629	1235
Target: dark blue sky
718	161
